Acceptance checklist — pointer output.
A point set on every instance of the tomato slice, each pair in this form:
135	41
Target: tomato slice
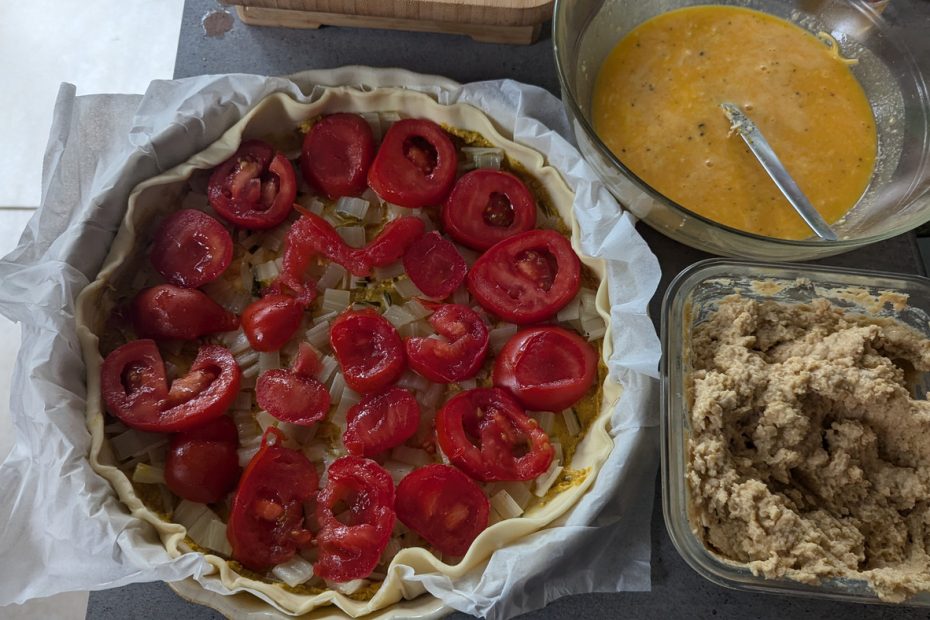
381	421
444	506
485	433
392	242
169	312
135	389
255	188
294	395
369	350
202	464
311	235
336	155
350	545
526	278
191	248
457	357
271	321
487	206
267	523
546	368
435	266
416	164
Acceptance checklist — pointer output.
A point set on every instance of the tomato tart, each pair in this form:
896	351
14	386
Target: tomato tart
354	334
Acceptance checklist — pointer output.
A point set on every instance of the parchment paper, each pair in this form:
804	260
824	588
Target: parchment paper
63	529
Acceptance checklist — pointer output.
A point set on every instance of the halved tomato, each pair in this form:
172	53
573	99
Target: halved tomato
416	164
135	388
380	422
392	242
350	544
485	433
169	312
526	278
271	321
191	248
255	188
294	395
546	368
444	506
336	154
267	522
487	206
369	350
457	357
202	464
435	266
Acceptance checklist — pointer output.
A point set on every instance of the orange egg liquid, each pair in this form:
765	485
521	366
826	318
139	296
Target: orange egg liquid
656	105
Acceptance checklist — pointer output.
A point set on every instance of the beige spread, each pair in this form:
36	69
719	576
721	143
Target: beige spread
808	457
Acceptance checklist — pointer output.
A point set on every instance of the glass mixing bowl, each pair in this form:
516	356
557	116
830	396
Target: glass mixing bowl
898	196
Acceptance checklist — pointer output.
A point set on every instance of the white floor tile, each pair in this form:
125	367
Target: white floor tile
98	45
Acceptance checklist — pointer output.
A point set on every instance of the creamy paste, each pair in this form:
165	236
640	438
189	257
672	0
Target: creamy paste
808	458
656	105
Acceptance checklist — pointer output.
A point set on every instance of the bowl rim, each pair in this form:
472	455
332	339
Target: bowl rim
910	64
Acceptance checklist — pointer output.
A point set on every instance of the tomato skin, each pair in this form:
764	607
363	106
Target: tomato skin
311	235
191	248
201	464
337	153
546	368
169	312
267	523
460	356
487	206
255	188
135	390
380	422
444	506
392	242
416	164
526	278
292	397
352	550
435	266
271	321
368	349
510	445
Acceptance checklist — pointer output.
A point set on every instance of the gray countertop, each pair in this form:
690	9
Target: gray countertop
676	589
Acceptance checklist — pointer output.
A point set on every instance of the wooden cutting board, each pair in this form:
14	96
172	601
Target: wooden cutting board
496	21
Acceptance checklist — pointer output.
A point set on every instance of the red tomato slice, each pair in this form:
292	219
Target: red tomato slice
202	464
271	321
351	545
526	278
191	248
311	235
267	524
392	242
486	434
308	362
416	164
369	350
169	312
380	422
487	206
337	153
292	397
546	368
135	390
435	266
444	506
255	188
457	357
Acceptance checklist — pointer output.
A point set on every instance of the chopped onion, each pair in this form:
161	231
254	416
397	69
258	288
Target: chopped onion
243	401
411	456
588	304
215	538
416	329
294	572
353	235
398	470
325	318
396	211
349	399
594	328
388	118
316	452
246	427
299	433
557	449
328	366
571	422
545	481
392	548
245	275
318	335
519	491
388	271
246	453
274	238
352	207
374	122
188	513
431	397
467	384
268	361
146	474
336	387
505	505
398	316
251	373
228	294
156	457
546	420
115	427
499	336
348	587
133	443
266	420
236	341
412	381
311	203
267	271
483	157
406	288
245	359
460	296
335	300
571	312
417	309
332	276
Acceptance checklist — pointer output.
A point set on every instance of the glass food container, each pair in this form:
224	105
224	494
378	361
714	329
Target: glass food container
690	299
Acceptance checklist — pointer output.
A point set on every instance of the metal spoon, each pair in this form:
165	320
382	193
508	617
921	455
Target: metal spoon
760	147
